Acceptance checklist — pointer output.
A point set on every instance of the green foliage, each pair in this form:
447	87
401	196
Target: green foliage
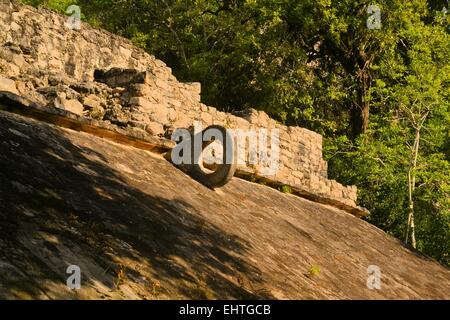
314	63
314	271
58	5
286	189
413	81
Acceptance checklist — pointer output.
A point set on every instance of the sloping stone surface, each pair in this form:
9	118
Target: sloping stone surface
140	228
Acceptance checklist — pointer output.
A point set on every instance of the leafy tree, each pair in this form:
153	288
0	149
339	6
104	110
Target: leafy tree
402	164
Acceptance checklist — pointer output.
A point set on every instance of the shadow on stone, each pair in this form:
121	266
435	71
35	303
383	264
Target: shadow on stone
58	207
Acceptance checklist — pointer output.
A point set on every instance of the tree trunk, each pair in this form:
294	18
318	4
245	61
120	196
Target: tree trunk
410	228
361	110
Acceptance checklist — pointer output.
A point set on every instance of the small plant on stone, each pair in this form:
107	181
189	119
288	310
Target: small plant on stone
156	288
314	271
286	189
120	275
227	123
2	68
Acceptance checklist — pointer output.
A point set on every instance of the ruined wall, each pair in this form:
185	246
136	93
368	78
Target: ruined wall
42	59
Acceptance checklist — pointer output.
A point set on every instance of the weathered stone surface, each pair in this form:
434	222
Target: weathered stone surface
85	87
94	111
52	92
251	115
71	105
140	116
64	119
120	77
183	121
154	128
8	85
144	104
92	101
195	88
108	207
117	116
139	90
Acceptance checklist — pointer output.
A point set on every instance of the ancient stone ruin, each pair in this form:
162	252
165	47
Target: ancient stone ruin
79	109
102	81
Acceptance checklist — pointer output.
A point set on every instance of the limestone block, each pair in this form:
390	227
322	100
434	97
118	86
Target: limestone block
286	153
336	189
207	119
92	101
284	135
263	119
271	124
251	115
325	186
163	84
219	117
137	132
314	183
139	116
8	85
138	124
117	116
140	90
87	87
122	77
298	174
283	171
8	69
154	128
163	73
241	123
55	65
183	121
175	103
21	87
172	115
71	105
13	57
194	87
284	159
96	113
353	194
144	104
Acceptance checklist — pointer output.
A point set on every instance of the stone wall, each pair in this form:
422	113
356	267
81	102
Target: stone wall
99	75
